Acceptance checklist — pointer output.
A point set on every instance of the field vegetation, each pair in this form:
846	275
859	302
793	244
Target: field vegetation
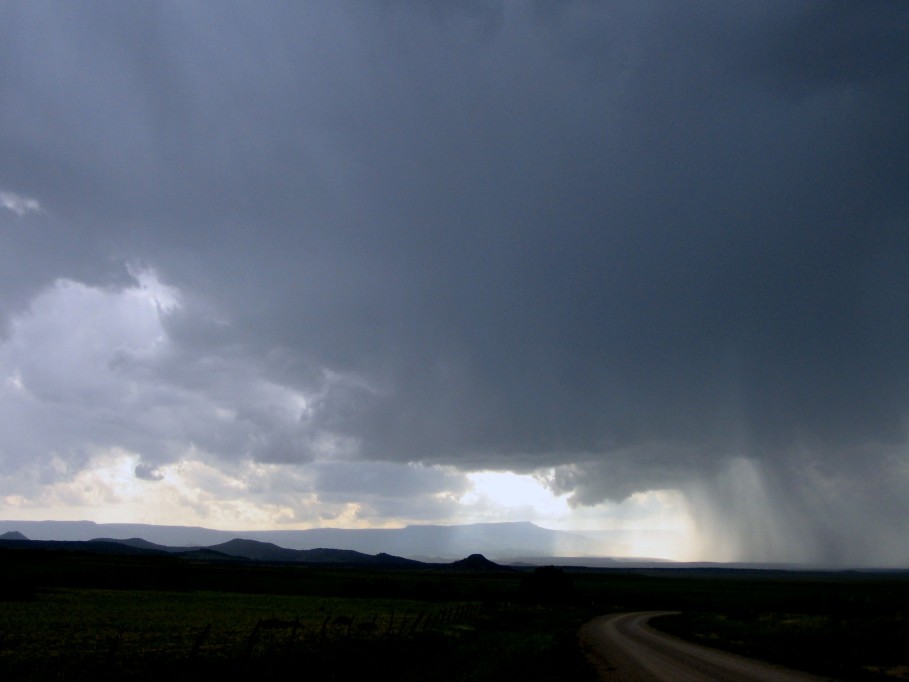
91	617
88	616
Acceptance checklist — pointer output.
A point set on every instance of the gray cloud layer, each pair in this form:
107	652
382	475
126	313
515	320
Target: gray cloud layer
638	242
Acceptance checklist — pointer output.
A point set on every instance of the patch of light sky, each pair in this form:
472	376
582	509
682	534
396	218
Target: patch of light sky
653	523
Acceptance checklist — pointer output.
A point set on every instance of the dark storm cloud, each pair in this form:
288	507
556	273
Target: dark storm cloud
634	239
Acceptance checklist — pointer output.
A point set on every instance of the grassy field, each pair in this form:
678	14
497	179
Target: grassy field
81	616
57	622
84	634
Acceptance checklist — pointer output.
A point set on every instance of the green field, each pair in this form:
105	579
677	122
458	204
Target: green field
83	616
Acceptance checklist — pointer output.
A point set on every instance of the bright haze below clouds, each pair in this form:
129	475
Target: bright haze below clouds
640	267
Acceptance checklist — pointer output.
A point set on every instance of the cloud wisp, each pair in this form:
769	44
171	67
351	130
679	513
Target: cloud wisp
18	204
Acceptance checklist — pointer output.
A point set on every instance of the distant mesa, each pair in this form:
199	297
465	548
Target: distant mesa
240	549
506	544
13	535
501	542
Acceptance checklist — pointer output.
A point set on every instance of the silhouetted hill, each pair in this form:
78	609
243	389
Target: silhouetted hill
325	555
13	535
267	551
205	554
142	544
479	563
234	550
253	549
383	559
349	556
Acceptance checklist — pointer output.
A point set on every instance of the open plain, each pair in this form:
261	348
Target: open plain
70	611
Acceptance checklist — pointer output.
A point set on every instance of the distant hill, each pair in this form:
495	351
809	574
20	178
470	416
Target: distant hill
204	554
241	550
383	559
13	535
257	551
141	544
267	551
478	563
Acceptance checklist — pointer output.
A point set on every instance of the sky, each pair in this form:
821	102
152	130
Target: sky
637	266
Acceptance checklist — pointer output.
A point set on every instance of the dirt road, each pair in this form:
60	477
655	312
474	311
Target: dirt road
625	649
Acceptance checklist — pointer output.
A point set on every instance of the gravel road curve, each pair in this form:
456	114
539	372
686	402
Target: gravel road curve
624	648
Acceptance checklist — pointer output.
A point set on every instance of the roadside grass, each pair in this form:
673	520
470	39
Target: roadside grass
847	625
856	648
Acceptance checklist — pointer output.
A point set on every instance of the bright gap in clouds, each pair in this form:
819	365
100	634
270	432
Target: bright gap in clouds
653	523
506	496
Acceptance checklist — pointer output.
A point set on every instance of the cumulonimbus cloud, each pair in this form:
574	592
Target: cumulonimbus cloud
645	247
